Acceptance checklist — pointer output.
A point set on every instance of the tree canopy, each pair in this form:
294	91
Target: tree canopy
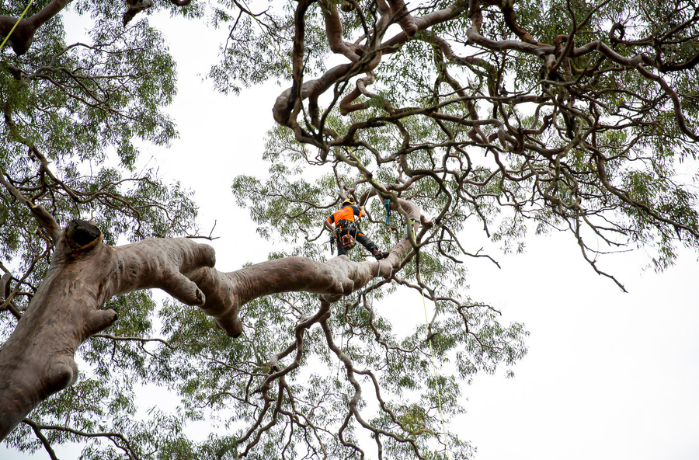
508	116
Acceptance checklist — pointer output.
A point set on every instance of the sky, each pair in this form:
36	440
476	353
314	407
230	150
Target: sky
608	375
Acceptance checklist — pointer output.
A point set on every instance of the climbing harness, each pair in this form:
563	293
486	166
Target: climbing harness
345	234
13	27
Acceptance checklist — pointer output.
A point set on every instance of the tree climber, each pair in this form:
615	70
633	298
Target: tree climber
346	230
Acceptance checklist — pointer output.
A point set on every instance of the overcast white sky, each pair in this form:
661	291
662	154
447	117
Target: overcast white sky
608	376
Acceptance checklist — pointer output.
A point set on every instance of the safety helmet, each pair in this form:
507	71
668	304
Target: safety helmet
347	202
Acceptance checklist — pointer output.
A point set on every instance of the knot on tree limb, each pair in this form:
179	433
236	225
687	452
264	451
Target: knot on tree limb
82	235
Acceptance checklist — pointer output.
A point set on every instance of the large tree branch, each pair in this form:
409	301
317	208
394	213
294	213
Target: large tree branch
23	35
508	12
401	15
422	23
333	31
285	109
38	358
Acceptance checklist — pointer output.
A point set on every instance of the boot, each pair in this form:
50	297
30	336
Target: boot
378	255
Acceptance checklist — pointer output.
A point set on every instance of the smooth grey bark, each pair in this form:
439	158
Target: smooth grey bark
38	358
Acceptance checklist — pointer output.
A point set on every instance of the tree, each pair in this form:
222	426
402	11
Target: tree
485	111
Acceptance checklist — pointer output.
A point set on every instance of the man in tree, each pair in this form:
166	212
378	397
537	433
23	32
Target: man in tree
347	230
448	115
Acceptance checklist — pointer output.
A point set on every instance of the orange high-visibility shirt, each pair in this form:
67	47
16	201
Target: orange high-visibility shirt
346	213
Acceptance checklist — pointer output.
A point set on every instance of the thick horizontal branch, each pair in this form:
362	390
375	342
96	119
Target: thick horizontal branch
65	311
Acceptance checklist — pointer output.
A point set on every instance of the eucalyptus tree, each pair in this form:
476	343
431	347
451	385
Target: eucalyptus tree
515	116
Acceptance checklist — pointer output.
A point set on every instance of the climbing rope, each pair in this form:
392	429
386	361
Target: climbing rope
407	226
434	367
387	206
13	27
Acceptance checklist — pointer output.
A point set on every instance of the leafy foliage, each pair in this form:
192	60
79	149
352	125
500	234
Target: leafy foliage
509	116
